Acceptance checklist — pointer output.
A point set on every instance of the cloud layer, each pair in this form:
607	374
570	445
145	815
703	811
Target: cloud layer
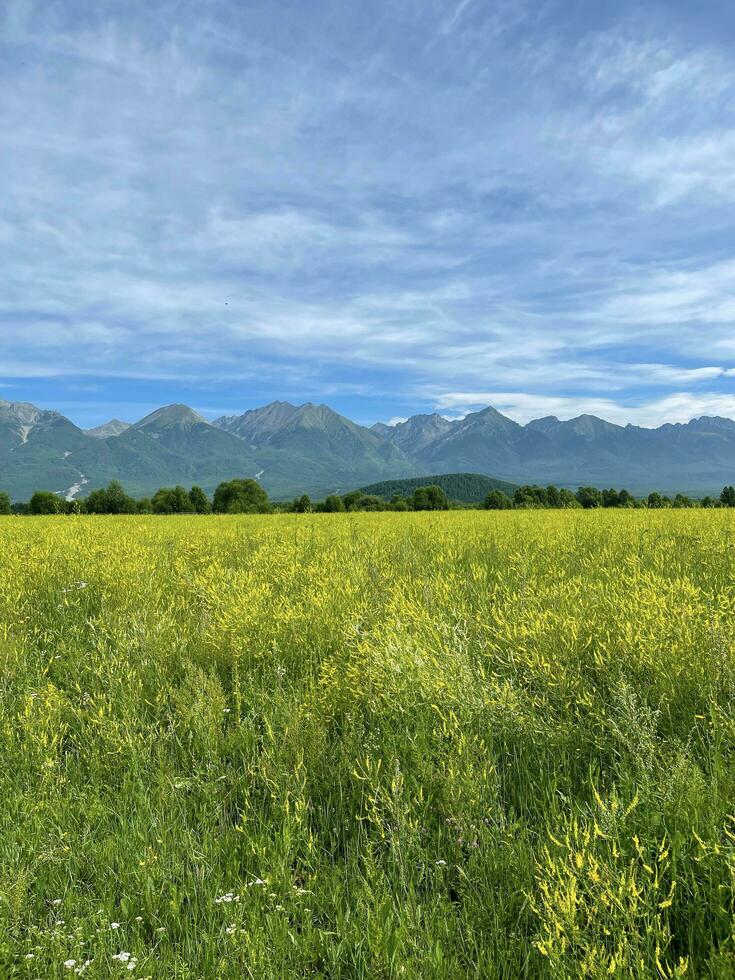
398	207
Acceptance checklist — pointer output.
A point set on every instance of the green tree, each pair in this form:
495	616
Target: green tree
145	505
655	500
172	500
727	497
5	506
709	502
589	497
531	496
45	502
199	501
333	504
240	497
430	498
497	500
111	500
351	500
369	501
302	504
610	498
553	496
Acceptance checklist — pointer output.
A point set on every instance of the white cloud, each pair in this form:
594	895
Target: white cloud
523	407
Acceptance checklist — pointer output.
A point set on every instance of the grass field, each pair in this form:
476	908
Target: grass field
468	744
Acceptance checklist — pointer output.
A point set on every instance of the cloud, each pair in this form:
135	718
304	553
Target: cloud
410	200
448	25
523	407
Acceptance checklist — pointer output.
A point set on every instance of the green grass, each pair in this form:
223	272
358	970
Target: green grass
466	744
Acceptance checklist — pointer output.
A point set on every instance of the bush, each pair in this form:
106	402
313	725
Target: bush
45	502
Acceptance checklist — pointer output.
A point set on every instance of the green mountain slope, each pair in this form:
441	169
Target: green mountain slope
329	453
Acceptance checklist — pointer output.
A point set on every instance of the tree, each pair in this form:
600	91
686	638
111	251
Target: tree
302	504
333	504
5	507
680	500
430	498
497	500
111	500
172	500
589	497
625	499
655	500
531	497
709	502
727	497
145	506
45	502
553	496
610	498
240	497
199	501
351	500
369	501
567	498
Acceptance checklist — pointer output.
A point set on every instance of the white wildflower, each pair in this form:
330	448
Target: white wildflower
441	864
70	964
114	925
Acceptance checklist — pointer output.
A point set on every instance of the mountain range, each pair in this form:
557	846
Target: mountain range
312	449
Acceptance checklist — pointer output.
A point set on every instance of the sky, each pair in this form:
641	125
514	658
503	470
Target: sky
391	207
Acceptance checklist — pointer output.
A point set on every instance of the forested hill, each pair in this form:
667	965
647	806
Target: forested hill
468	488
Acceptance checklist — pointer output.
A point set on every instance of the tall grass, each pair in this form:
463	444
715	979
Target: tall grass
373	745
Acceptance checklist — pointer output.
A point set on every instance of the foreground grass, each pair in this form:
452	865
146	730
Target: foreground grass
462	745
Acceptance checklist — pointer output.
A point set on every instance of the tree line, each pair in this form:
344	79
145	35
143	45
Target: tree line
246	496
529	497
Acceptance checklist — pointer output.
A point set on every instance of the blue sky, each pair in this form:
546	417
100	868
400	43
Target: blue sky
392	207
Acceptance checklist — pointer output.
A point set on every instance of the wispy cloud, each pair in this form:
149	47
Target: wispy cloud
450	22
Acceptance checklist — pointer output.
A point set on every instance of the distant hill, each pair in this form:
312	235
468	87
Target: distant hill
469	488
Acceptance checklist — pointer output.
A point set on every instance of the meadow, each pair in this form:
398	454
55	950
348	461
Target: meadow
464	744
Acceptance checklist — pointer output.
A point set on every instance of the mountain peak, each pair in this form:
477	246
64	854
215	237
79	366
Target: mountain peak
591	425
109	429
545	424
490	418
170	415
